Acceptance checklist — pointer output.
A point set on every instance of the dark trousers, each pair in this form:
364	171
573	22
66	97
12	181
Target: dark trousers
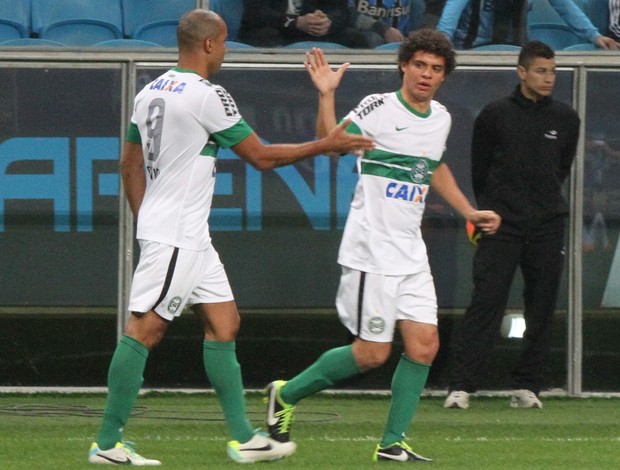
495	264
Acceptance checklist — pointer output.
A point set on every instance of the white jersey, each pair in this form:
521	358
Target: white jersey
382	234
181	119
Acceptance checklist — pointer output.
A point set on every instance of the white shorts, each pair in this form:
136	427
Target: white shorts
370	304
168	279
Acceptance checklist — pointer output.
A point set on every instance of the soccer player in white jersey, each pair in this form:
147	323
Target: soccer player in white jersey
168	169
386	279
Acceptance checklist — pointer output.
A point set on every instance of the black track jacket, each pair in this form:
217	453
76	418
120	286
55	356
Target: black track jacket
522	152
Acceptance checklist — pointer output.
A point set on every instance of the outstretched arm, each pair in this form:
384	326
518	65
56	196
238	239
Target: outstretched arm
444	183
266	157
326	82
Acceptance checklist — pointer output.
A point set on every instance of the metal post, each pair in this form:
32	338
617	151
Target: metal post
575	299
126	220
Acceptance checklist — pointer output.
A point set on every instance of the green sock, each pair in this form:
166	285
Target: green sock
407	386
224	373
124	382
332	367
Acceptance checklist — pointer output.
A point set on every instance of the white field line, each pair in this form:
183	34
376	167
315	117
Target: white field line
427	393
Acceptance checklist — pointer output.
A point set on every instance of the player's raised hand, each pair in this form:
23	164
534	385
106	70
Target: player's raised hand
340	141
324	78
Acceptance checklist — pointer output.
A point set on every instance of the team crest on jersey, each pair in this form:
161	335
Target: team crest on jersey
174	304
419	172
376	325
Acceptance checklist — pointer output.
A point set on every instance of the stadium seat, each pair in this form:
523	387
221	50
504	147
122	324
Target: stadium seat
586	46
154	20
496	47
597	11
31	42
541	11
14	19
310	44
77	22
126	43
388	46
231	12
555	35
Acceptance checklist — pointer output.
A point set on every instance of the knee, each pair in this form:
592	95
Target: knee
423	350
148	328
224	332
370	357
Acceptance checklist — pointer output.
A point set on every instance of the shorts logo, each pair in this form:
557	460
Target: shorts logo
376	325
174	304
419	172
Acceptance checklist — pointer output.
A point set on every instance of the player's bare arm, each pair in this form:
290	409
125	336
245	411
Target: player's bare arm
326	82
132	173
444	183
266	157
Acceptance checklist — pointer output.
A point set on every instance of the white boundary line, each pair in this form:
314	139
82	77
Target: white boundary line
427	393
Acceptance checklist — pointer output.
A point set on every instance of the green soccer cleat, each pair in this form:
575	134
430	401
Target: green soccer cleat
120	454
397	452
279	413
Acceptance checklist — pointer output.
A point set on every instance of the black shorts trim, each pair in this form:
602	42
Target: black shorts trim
360	302
168	280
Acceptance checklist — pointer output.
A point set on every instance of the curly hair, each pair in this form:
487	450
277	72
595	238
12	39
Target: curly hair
430	41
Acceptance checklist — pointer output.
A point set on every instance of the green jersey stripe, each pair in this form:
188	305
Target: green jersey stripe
398	167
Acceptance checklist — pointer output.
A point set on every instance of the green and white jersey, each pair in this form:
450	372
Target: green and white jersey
382	234
181	119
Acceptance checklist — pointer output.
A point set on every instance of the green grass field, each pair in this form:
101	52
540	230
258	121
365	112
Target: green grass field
51	431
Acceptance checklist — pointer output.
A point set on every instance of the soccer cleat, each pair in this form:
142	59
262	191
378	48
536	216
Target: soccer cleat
120	454
258	449
525	399
398	452
457	399
279	413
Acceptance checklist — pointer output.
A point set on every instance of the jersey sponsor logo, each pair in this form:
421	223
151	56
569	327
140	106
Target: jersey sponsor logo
366	107
407	192
366	7
230	108
376	325
174	86
398	129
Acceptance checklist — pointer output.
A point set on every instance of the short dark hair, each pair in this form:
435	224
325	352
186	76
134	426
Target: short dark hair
427	40
195	26
532	50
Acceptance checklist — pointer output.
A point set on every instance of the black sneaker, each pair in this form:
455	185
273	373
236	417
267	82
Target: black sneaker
399	452
279	413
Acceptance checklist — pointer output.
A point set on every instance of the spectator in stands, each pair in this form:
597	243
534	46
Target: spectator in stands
470	23
373	32
522	149
384	21
614	20
275	23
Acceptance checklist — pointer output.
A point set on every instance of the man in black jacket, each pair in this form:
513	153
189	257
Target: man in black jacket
274	23
522	149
